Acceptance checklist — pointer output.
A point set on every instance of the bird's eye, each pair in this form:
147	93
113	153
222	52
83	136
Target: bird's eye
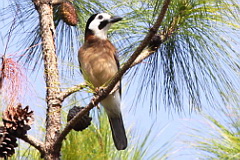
100	17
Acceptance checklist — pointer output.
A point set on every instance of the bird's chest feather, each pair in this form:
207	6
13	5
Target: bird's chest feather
98	63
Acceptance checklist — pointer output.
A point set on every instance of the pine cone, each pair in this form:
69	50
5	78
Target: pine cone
83	123
2	133
7	143
68	13
17	120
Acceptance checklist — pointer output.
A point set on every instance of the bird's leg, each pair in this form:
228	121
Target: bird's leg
100	90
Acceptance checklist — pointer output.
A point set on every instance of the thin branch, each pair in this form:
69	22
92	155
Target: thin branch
35	143
64	94
103	94
154	45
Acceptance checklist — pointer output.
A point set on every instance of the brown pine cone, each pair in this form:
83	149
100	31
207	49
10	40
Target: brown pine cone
17	120
68	13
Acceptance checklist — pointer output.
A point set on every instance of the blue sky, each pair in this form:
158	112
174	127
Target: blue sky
168	126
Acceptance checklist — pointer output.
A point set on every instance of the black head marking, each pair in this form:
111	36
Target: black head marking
103	24
90	20
87	30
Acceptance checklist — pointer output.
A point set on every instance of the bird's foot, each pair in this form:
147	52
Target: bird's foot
100	90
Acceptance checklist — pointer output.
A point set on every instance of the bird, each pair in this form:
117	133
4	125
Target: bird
99	63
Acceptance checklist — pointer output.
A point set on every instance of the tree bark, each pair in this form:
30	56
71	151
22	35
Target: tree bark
53	118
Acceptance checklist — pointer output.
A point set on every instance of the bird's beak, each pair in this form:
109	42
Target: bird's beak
115	19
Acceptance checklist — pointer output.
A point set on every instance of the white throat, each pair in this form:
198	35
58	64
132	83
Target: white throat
102	34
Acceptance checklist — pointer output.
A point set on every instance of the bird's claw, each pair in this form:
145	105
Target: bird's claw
100	90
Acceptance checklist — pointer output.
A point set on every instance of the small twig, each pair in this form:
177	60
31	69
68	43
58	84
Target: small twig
64	94
101	95
157	40
35	143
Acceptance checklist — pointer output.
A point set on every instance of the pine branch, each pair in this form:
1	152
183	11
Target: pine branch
104	93
35	143
64	94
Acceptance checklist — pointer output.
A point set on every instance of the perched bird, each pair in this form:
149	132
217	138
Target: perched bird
98	64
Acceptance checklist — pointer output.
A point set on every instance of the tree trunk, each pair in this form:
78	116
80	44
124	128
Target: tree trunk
53	119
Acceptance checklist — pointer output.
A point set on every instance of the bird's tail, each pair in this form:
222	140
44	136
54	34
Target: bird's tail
112	107
118	132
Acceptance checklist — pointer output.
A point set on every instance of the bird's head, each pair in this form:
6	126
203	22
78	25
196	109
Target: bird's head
98	25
